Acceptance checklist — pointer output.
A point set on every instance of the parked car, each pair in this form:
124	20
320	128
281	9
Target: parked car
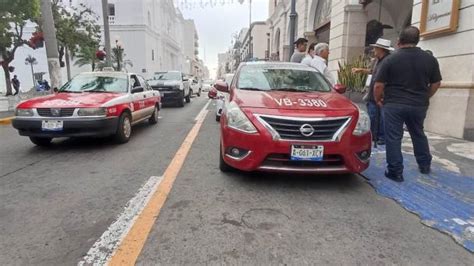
207	85
173	86
90	104
286	117
196	87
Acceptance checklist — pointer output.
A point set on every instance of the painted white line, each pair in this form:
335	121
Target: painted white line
203	111
105	246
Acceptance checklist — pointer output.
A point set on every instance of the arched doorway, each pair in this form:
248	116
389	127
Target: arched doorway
320	16
276	44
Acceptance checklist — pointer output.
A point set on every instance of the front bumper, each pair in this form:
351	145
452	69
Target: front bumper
71	127
266	154
171	96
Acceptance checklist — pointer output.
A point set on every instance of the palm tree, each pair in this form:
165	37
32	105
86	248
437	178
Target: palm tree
86	56
30	60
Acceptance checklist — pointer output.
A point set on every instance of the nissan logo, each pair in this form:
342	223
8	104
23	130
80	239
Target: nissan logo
307	130
55	112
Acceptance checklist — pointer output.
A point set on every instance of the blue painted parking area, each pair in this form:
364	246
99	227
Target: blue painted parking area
444	200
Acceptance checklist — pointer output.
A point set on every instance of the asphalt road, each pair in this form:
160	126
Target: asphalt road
56	202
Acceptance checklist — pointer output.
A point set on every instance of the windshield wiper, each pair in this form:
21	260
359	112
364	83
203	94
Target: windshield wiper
288	89
95	90
251	89
66	91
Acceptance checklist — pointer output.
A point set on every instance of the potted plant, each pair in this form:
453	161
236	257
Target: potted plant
355	83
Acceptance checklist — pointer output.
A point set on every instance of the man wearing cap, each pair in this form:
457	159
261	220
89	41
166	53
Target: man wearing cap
300	52
382	49
404	83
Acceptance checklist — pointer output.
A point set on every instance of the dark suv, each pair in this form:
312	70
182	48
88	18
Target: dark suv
173	86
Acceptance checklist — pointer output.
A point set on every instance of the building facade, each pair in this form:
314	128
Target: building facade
153	33
256	42
349	26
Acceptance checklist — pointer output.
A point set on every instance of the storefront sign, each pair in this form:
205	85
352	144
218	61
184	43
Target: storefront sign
439	16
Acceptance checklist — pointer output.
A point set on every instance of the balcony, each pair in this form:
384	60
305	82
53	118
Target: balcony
111	20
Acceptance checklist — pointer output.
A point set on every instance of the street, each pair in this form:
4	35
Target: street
58	201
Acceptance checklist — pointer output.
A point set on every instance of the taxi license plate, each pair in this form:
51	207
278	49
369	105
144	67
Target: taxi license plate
307	153
52	125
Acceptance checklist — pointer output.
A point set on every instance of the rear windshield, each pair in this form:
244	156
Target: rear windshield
96	83
277	78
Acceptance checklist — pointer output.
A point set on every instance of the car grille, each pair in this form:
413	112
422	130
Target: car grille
48	112
289	128
283	160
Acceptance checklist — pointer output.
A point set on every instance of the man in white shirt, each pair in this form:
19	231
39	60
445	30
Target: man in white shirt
309	56
319	62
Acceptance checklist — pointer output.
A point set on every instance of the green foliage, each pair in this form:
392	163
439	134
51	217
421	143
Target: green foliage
353	82
86	56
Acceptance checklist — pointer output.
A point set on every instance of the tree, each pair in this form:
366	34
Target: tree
87	56
30	60
76	31
13	17
118	55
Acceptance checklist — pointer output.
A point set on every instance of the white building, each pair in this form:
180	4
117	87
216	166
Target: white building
349	26
256	42
152	33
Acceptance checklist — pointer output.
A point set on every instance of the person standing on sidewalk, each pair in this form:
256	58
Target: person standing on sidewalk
300	52
310	55
320	61
382	49
16	84
403	85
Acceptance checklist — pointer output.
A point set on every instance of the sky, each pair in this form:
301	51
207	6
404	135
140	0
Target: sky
216	25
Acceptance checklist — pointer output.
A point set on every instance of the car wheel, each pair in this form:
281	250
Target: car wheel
181	100
199	93
124	130
154	117
43	142
223	166
188	98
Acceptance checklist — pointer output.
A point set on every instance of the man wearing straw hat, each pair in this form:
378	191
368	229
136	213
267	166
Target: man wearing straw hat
382	49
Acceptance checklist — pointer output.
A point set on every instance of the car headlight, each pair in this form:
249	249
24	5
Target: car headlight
236	119
363	123
92	112
24	112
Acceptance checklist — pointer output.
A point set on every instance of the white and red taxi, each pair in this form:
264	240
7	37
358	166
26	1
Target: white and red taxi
285	117
91	104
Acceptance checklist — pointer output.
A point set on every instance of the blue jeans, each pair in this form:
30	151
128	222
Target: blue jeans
376	123
413	117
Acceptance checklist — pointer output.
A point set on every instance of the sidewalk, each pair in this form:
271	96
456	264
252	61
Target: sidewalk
8	104
444	200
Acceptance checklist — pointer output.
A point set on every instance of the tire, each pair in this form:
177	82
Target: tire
199	93
154	117
43	142
124	129
188	98
223	166
181	101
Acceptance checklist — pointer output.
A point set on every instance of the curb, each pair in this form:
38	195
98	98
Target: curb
6	120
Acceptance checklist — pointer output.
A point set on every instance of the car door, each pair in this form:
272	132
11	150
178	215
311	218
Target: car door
150	97
139	99
186	86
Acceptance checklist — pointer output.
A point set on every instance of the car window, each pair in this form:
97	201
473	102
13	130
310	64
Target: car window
135	81
96	82
143	82
167	76
274	78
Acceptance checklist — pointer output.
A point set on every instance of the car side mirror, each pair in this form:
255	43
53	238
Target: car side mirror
137	89
339	88
185	79
222	86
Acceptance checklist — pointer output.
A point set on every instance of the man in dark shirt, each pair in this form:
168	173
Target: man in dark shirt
403	86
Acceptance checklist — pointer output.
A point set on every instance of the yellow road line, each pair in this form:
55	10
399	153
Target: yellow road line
6	120
132	245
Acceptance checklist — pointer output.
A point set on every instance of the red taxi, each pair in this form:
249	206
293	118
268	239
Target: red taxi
284	117
91	104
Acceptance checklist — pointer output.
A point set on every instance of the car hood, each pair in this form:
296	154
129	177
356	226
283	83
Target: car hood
164	83
292	100
61	100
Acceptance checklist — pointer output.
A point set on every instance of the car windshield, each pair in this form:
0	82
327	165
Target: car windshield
167	76
96	83
280	78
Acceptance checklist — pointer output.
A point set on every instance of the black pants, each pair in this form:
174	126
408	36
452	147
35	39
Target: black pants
17	90
413	117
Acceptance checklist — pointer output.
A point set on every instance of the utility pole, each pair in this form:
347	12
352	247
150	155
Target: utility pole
107	46
51	43
292	26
